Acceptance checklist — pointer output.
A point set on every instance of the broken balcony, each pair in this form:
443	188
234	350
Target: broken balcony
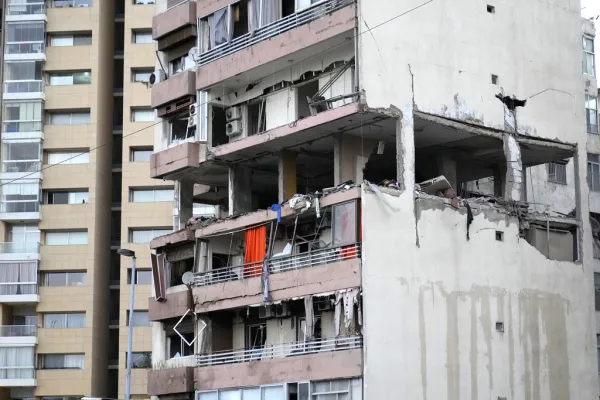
175	26
234	45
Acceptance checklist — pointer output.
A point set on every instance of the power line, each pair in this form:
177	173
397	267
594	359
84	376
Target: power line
206	102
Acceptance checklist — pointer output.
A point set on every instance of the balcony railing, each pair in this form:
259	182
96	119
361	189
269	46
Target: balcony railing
18	330
18	247
17	372
178	362
21	166
20	206
275	28
26	86
280	351
22	126
279	264
18	288
27	9
32	47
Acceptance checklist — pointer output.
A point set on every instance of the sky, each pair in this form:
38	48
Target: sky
591	8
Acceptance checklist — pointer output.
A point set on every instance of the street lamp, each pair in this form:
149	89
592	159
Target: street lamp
129	253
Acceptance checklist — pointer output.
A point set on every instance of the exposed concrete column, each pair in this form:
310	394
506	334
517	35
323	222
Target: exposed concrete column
350	155
159	343
499	178
184	203
447	167
240	191
405	149
514	169
287	175
201	256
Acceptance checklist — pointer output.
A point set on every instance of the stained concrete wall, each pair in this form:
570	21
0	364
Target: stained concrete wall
431	308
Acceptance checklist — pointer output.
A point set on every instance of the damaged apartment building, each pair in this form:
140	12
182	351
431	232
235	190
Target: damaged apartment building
403	205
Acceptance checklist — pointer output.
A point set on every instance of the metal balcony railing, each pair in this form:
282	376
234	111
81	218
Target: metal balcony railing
31	47
280	351
27	9
278	27
21	165
18	288
18	330
17	372
22	126
25	86
18	206
18	247
279	264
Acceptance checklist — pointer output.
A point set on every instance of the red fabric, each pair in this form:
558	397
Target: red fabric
256	244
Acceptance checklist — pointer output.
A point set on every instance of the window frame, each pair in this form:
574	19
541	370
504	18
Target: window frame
64	362
156	231
45	281
134	150
136	325
69	236
591	114
133	191
586	53
557	170
144	71
592	165
143	32
66	320
145	110
68	157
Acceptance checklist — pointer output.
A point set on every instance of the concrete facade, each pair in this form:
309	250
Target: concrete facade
401	196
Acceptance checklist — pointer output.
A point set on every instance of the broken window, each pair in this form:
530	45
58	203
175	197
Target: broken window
588	56
256	336
344	223
591	113
241	22
176	345
218	125
180	130
304	93
557	172
256	117
593	169
595	224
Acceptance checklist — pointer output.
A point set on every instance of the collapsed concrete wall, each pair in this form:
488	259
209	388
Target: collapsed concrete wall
490	317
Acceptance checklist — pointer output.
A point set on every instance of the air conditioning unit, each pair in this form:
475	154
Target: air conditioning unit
265	311
324	305
234	128
157	77
191	121
193	109
233	114
282	310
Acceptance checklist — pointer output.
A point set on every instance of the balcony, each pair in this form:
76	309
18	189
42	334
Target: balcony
17	376
18	335
24	90
175	161
299	361
29	50
326	24
20	210
21	129
176	87
174	26
21	166
19	292
26	12
13	251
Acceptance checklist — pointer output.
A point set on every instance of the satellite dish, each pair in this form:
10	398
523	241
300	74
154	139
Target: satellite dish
194	54
188	278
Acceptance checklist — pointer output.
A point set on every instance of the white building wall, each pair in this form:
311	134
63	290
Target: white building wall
430	311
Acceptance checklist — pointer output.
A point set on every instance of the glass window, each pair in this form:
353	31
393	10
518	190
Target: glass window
140	318
179	130
66	238
21	156
141	75
26	233
141	359
69	118
593	166
146	235
22	116
142	115
24	70
63	361
141	155
67	197
591	111
72	3
557	172
143	1
68	158
64	320
143	277
25	38
142	36
588	56
71	40
344	223
151	195
20	197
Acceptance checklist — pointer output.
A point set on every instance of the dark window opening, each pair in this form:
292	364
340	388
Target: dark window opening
58	198
491	9
240	19
500	236
494	79
178	269
219	126
288	7
304	92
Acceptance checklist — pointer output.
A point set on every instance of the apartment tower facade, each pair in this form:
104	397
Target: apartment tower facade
404	197
75	189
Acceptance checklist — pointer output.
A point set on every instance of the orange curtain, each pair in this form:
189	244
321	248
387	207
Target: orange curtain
256	244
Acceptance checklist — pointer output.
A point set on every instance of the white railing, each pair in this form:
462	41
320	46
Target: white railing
17	372
279	264
18	330
275	28
32	47
280	351
18	288
22	126
25	86
21	166
19	247
179	362
27	9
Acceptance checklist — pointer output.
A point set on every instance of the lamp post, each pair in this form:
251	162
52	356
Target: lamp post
129	253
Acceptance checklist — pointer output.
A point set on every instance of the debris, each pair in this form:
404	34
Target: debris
511	102
435	185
